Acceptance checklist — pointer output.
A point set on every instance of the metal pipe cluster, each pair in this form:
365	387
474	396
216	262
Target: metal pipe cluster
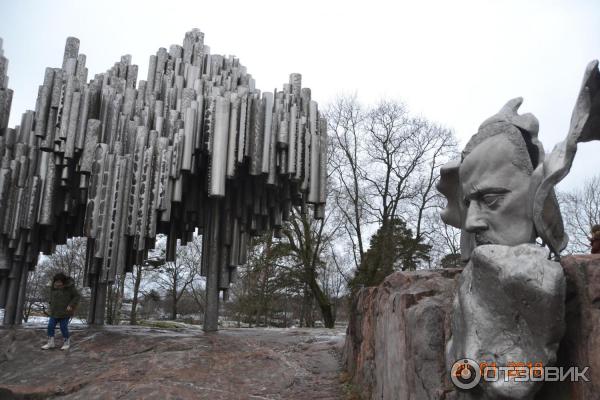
5	93
195	147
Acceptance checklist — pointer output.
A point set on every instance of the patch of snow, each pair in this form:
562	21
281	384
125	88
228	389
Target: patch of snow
37	320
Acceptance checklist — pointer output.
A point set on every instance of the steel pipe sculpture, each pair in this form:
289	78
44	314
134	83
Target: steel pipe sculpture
194	147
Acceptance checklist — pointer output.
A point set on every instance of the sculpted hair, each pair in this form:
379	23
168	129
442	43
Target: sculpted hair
520	130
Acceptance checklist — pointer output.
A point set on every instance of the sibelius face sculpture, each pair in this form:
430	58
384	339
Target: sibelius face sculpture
194	147
510	303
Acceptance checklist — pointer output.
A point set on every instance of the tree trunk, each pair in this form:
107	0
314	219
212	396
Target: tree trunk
136	290
118	300
27	313
285	307
323	303
174	308
174	296
307	309
109	304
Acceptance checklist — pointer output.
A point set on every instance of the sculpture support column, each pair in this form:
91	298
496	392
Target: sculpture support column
100	305
93	284
97	301
22	295
3	289
211	314
11	301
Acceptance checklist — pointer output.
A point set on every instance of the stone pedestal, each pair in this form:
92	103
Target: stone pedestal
398	331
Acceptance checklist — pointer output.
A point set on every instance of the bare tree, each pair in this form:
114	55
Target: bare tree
150	303
260	289
394	153
404	155
37	293
155	260
287	279
347	164
136	276
333	280
444	239
70	259
581	210
197	287
174	277
307	239
385	165
440	147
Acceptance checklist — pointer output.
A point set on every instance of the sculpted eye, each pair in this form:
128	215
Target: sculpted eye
492	199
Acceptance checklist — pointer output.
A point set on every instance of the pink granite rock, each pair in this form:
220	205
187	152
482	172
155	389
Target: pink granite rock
397	333
581	344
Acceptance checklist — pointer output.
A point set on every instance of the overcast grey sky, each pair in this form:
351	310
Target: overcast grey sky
456	62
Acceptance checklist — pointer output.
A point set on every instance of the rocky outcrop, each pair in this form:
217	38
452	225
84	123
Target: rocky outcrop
581	343
397	334
398	331
131	363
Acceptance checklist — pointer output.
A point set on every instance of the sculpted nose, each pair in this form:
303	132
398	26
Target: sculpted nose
475	222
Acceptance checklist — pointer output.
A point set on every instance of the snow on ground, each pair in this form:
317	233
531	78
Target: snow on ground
319	333
37	320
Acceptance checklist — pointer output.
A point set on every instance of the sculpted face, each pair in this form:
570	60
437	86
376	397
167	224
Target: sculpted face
496	194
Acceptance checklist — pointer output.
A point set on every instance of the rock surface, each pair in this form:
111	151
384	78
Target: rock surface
139	362
397	334
581	343
395	340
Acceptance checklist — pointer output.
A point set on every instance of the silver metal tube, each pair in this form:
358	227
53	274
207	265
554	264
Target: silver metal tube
219	149
267	134
46	215
233	133
71	50
189	142
92	138
257	135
